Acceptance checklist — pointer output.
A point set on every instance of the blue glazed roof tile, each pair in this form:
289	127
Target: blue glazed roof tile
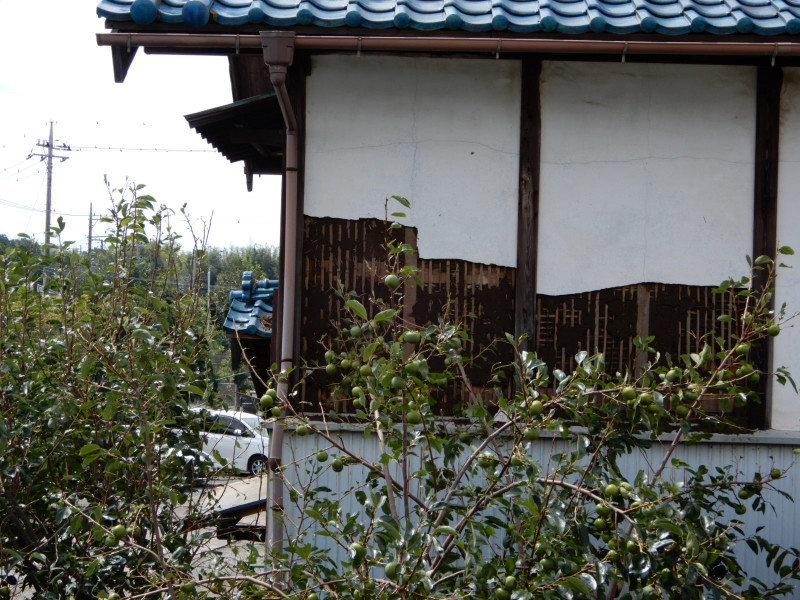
250	311
668	17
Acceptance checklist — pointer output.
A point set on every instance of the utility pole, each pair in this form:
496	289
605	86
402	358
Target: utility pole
49	192
90	230
49	146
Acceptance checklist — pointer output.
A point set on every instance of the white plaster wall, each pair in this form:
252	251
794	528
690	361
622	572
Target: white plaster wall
785	408
444	133
646	174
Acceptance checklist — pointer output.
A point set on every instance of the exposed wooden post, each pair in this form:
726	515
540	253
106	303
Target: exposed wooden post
765	205
528	211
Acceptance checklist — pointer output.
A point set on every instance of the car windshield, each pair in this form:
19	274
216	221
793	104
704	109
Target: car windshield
256	424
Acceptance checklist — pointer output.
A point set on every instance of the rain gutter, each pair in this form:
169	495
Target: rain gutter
278	49
234	43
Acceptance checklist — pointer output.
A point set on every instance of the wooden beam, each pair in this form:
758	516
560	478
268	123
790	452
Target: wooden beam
765	206
528	208
121	58
261	135
765	203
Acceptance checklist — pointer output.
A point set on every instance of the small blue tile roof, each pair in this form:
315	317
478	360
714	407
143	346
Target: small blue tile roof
251	307
668	17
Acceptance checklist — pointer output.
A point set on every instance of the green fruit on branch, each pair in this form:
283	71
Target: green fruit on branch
330	356
486	461
682	411
392	281
391	570
358	551
301	430
337	465
502	594
603	510
536	407
773	330
412	337
611	491
690	396
119	531
414	417
322	456
628	393
742	349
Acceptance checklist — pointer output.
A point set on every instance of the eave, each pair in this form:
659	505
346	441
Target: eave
249	130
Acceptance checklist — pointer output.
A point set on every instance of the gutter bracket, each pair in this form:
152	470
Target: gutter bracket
624	51
497	51
774	55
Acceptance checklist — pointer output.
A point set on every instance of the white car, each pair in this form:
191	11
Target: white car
239	439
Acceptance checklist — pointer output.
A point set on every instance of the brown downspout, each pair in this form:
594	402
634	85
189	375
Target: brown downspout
278	48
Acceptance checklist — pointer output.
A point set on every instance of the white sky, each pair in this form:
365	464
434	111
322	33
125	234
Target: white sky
52	69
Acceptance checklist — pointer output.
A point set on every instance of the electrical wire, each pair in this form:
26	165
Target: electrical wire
126	149
23	161
18	171
17	205
18	179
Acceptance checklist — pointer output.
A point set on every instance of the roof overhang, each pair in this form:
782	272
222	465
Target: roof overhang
249	130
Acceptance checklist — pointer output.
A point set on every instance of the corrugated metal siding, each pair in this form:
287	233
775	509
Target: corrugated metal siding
782	525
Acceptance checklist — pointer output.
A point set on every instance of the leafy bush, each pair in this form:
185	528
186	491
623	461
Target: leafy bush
98	362
525	495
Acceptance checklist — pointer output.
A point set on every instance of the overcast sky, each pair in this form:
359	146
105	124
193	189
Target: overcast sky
52	69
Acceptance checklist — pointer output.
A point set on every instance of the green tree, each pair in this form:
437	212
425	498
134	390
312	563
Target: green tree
525	496
97	367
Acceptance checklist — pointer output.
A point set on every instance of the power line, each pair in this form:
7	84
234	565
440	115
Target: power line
126	149
23	161
9	182
17	205
6	173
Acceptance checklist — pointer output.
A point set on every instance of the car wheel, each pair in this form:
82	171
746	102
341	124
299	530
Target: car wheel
257	464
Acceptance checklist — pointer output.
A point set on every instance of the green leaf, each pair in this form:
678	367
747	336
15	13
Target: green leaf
89	449
763	260
356	308
385	315
785	250
577	585
402	201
